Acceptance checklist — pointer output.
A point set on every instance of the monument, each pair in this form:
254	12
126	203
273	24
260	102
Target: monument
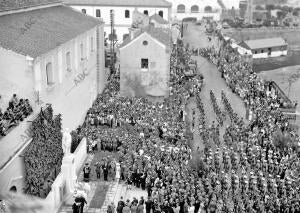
66	142
68	164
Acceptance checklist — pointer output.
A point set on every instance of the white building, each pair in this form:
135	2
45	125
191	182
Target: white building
265	48
123	12
229	4
145	63
49	53
196	9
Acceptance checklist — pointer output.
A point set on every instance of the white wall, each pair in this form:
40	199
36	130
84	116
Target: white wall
130	65
121	23
273	54
201	4
14	70
66	98
199	16
56	195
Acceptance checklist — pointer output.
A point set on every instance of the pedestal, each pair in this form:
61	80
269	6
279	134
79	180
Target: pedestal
69	174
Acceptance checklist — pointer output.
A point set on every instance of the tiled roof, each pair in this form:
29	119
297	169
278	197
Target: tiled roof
263	43
134	3
158	19
38	31
162	35
6	5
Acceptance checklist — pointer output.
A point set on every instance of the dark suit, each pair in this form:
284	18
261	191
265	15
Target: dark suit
148	206
82	201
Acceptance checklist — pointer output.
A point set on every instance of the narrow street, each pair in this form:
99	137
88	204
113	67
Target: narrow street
196	37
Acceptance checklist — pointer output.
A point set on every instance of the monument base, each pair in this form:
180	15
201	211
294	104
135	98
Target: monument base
69	176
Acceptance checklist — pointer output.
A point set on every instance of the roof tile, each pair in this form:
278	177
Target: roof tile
6	5
38	31
265	43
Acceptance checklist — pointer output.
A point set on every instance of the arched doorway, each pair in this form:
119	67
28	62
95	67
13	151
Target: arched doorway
13	189
181	8
208	9
195	9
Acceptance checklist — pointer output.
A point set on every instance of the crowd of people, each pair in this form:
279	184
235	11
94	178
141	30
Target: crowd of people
257	172
240	171
17	110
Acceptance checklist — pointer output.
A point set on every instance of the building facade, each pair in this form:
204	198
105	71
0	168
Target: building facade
198	9
266	48
123	12
145	63
48	54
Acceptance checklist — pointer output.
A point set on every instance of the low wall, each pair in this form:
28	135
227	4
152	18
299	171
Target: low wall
56	196
80	154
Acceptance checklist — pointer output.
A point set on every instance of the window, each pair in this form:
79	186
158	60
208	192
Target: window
145	43
13	189
161	13
255	52
180	8
68	61
146	12
144	63
92	44
49	74
81	51
127	14
83	11
262	51
208	9
195	9
98	13
125	36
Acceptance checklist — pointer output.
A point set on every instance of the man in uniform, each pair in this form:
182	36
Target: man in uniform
86	172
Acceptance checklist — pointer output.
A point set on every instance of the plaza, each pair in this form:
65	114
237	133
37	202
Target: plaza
194	130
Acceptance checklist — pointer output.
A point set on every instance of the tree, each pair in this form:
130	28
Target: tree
281	14
270	7
296	13
259	7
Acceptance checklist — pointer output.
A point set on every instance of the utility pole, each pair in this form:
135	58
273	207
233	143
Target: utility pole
112	42
182	29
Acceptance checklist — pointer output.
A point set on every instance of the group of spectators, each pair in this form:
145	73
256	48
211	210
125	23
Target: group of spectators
17	110
242	172
249	169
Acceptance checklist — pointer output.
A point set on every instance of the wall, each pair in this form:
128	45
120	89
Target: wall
56	195
199	16
121	23
147	82
201	5
70	99
75	93
11	76
13	173
273	54
15	78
